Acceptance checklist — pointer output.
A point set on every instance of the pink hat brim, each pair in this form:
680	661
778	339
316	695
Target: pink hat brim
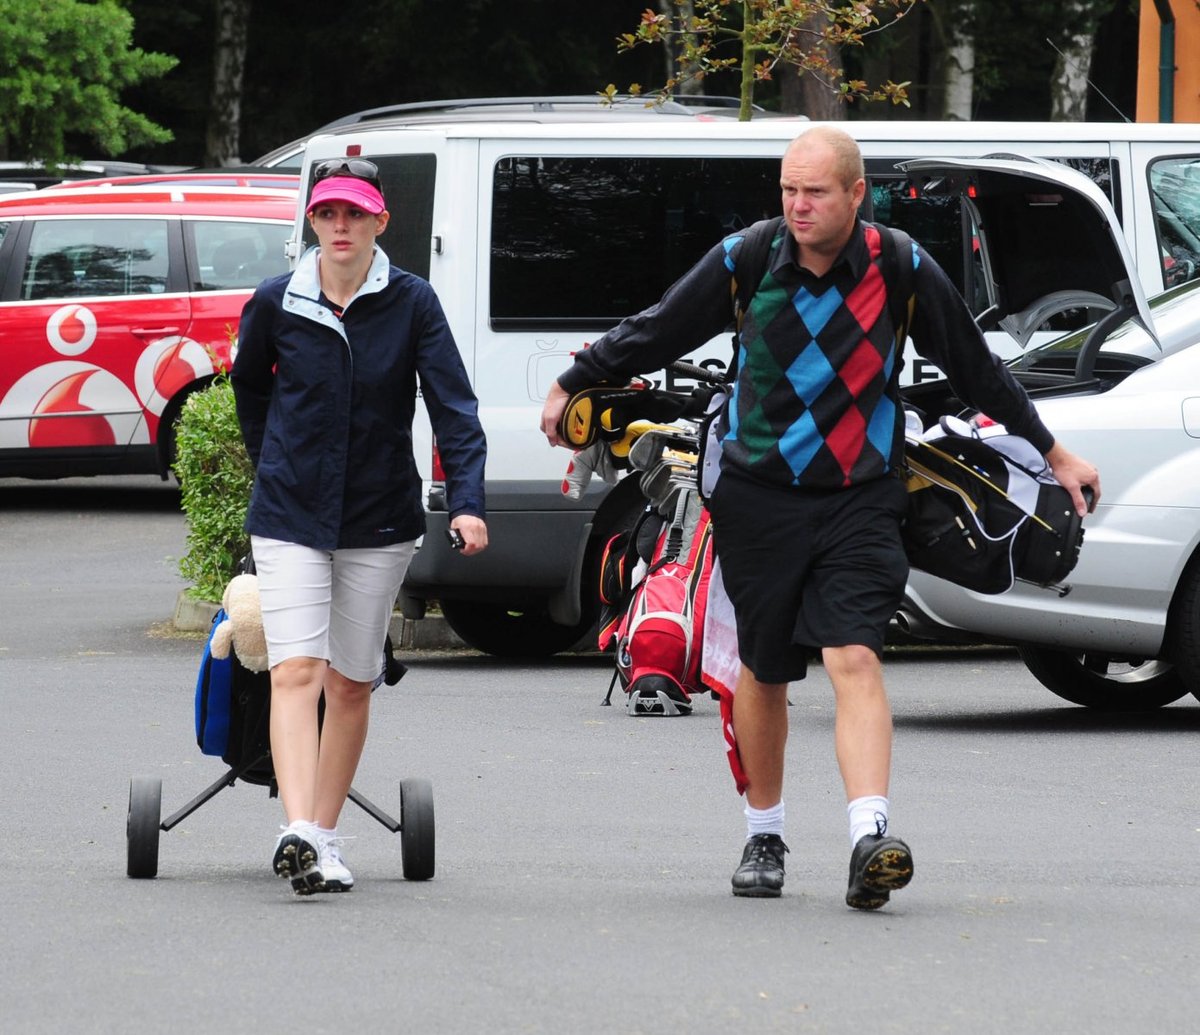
349	189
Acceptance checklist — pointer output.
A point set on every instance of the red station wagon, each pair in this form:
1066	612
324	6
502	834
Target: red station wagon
116	303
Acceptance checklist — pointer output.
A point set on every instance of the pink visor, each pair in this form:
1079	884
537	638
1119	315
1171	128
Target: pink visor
349	189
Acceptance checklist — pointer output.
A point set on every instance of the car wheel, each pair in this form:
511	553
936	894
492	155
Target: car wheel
1104	682
512	632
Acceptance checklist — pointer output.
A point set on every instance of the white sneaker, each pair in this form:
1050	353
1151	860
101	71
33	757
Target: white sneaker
333	867
297	857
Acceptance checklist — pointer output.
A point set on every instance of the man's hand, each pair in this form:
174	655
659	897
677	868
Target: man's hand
473	531
556	404
1073	473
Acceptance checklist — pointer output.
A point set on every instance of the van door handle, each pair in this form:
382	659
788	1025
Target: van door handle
146	332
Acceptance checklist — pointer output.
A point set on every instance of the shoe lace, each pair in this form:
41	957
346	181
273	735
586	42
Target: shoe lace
765	848
880	824
330	849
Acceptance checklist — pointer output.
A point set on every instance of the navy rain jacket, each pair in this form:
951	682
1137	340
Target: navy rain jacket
326	409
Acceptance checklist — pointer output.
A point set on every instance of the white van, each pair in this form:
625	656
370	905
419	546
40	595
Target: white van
540	235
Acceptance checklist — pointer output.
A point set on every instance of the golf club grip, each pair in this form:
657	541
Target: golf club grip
704	374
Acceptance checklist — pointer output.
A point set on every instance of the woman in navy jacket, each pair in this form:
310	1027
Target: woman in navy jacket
325	380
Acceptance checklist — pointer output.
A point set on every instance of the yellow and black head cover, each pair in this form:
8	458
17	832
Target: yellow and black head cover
604	412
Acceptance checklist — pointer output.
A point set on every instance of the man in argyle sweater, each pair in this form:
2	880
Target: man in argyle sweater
807	511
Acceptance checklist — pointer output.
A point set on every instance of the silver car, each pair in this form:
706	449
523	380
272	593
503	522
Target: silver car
1123	632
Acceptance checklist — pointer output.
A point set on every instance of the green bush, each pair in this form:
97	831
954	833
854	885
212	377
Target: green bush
215	476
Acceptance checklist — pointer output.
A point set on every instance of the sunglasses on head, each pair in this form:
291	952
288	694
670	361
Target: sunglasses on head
359	168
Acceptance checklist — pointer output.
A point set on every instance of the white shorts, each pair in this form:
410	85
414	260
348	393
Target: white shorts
329	604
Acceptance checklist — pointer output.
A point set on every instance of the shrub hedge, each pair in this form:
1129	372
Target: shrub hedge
215	477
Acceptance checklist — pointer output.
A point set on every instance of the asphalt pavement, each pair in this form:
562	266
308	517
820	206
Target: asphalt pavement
583	856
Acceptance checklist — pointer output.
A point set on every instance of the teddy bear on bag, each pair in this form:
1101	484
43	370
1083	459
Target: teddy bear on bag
242	629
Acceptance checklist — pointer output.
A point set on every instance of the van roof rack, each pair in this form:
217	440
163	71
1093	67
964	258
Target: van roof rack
677	105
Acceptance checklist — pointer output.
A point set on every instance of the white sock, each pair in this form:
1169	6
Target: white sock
868	815
764	821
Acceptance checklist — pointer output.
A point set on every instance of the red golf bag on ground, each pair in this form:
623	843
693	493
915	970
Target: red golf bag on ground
659	627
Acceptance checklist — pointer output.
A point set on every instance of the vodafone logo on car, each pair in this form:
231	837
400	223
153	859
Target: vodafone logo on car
166	366
74	403
71	330
70	404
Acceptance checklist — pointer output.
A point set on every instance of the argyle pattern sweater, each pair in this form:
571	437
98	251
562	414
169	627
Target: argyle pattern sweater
816	403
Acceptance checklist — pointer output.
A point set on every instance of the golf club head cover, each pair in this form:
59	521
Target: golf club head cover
604	412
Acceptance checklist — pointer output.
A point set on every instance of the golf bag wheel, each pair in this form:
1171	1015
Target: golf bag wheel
416	828
142	826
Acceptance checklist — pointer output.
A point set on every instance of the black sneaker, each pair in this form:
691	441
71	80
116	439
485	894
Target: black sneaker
761	873
879	865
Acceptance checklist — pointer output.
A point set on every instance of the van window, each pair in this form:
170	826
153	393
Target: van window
407	182
1175	194
96	257
235	254
584	242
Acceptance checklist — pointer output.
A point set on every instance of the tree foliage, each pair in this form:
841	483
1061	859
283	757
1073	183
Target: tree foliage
298	78
756	36
63	66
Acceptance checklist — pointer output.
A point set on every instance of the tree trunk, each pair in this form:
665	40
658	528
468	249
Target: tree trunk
1069	82
960	79
223	138
681	13
802	93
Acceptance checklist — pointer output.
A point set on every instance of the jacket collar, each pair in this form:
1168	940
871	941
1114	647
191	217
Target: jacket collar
302	295
306	281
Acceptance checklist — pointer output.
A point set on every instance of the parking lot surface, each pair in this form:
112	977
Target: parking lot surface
583	856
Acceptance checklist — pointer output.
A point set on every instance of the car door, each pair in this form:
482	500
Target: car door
84	330
1046	240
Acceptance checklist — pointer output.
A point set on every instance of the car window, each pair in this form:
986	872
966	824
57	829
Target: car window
70	258
934	220
586	241
1175	190
235	254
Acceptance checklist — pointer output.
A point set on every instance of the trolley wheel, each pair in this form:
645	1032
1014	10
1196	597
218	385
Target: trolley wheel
142	826
416	828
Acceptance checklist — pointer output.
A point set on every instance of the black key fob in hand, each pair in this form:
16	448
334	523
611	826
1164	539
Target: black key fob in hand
457	542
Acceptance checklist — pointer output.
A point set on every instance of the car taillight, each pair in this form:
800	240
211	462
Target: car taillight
439	472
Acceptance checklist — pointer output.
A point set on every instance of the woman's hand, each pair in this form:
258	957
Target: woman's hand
474	533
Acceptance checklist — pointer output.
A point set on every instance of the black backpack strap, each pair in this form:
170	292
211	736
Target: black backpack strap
896	264
749	269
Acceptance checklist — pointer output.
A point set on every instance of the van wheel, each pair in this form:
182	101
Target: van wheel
512	632
1110	684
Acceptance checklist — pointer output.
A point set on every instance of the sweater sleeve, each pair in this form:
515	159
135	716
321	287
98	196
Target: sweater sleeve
253	373
944	332
694	309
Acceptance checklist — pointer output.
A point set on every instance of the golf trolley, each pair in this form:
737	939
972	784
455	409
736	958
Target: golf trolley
248	756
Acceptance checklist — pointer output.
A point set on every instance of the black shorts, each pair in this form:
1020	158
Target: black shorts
806	569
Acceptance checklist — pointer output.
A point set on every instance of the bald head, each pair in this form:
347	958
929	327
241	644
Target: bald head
847	158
